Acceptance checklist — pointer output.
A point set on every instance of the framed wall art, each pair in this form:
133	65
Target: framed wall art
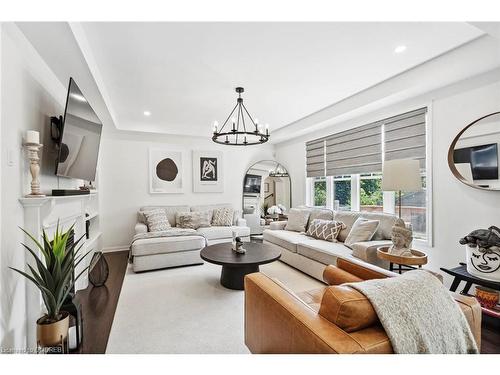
208	172
165	171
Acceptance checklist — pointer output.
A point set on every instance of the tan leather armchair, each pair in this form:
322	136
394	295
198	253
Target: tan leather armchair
332	319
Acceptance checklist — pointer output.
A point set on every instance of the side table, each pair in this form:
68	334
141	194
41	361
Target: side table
418	259
460	274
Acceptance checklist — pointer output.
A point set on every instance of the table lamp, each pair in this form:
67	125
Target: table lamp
401	175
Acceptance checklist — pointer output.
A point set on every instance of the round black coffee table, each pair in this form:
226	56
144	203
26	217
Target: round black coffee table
235	266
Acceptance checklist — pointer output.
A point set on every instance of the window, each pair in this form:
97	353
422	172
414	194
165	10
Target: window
342	193
348	158
414	209
371	196
319	192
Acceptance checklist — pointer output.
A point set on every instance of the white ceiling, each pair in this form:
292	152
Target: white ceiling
185	73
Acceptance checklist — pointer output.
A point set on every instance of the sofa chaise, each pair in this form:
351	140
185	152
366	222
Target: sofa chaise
166	252
312	255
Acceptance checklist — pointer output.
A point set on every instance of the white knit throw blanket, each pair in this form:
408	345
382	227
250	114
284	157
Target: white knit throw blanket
418	314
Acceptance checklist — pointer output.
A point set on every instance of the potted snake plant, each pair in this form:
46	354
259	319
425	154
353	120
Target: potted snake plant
53	276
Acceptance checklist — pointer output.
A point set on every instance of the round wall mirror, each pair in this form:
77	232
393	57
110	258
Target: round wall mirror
473	154
267	194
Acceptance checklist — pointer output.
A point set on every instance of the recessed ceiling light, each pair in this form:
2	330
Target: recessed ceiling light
147	113
400	49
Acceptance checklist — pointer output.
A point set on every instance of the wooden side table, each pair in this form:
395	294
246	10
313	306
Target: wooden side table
418	259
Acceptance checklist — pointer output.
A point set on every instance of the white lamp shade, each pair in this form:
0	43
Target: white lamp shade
401	175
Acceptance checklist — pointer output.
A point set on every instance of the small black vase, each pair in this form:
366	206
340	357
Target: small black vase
99	269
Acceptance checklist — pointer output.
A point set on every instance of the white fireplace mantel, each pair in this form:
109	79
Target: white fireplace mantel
45	213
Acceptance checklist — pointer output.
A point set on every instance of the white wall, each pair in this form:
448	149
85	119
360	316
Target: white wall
124	178
30	95
457	208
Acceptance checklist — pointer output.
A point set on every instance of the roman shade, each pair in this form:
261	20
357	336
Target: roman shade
363	149
404	136
315	158
357	150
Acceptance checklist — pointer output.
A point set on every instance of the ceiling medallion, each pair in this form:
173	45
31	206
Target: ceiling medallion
236	133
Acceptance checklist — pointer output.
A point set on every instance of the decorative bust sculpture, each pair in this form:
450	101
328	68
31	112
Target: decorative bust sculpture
401	241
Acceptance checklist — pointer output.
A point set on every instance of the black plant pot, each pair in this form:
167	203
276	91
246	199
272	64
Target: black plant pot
99	269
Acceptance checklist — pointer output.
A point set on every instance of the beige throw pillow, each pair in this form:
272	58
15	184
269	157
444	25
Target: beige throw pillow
327	230
156	220
193	220
362	230
222	217
297	220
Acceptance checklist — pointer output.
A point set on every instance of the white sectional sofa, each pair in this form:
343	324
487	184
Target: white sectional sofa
311	255
165	252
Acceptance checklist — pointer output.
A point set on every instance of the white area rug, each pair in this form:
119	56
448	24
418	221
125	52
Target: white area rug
186	310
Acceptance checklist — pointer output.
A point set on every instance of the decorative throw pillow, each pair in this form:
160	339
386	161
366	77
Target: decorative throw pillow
193	220
362	230
223	217
156	220
297	220
327	230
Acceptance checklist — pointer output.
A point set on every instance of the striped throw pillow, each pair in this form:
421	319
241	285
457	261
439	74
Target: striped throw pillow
327	230
156	220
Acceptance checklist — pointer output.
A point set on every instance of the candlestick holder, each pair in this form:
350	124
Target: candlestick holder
32	149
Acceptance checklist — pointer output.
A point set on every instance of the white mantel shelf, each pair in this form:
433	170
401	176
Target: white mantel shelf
44	214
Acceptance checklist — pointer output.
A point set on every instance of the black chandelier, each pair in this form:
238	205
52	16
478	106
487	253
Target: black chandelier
279	171
236	136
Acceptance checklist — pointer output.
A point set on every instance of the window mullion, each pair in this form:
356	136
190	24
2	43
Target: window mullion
329	192
355	192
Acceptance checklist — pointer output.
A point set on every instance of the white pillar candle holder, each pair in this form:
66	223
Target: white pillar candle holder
32	149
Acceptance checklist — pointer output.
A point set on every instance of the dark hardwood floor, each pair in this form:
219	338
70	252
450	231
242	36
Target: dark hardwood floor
99	305
490	335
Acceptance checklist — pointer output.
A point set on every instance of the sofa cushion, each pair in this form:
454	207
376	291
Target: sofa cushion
297	220
387	221
323	251
347	308
348	218
367	251
284	238
193	220
216	233
210	208
362	230
327	230
169	210
156	220
312	297
320	213
223	216
165	245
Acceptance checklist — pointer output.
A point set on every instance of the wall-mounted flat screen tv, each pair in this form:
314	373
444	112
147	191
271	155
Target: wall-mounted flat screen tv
252	183
483	160
80	138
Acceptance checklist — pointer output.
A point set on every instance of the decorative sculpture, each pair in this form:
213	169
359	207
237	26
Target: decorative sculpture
484	238
402	238
33	149
237	244
483	253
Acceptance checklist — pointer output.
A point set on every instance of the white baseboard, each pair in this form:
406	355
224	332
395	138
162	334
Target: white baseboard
113	249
